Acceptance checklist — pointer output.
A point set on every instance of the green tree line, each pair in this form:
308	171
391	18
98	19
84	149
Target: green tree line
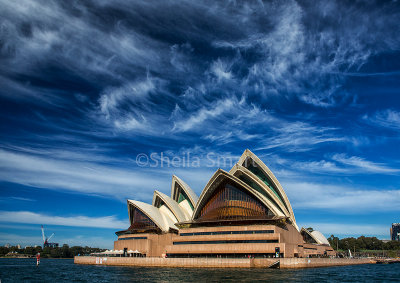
60	252
362	243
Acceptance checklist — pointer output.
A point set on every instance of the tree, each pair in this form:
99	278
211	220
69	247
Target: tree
65	251
4	251
55	252
333	241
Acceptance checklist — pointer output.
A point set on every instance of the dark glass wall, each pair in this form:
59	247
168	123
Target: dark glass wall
141	221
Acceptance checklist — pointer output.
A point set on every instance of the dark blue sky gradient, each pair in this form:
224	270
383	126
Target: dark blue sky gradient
86	86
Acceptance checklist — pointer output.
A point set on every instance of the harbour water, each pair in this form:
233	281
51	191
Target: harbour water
64	270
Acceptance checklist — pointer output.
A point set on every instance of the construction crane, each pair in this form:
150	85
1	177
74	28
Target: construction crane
46	240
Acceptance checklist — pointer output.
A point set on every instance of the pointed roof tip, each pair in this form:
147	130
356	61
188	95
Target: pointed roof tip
216	179
248	151
191	194
264	167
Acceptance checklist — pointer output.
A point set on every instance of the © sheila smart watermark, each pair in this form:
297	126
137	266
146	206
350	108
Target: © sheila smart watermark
187	159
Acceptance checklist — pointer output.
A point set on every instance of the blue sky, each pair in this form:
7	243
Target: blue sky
88	86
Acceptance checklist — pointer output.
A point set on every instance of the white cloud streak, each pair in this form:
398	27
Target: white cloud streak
341	163
341	199
388	118
83	177
28	217
364	165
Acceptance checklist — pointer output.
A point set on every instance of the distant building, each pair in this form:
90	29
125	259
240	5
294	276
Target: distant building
19	246
395	232
50	245
7	245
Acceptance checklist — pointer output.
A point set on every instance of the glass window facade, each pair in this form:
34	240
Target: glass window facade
140	221
183	196
254	185
133	238
222	255
228	202
159	202
253	168
307	238
226	242
227	233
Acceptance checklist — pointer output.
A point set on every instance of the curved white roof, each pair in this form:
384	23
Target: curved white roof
267	172
319	238
193	198
171	204
154	214
262	184
217	178
240	170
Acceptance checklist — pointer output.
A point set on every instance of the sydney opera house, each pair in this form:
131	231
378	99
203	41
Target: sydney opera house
241	213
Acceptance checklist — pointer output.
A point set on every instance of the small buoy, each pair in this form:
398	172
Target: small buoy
37	259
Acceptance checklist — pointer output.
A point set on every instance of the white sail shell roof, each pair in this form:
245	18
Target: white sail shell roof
217	178
247	154
238	169
161	220
257	179
319	238
172	205
193	198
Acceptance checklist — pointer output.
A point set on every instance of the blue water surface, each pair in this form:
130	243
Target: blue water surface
64	270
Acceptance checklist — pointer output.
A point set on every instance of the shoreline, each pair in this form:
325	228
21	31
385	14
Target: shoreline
33	257
283	263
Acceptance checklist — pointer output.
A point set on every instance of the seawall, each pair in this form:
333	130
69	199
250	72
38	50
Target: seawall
220	262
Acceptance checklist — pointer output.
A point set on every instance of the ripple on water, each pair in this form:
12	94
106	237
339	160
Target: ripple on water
64	270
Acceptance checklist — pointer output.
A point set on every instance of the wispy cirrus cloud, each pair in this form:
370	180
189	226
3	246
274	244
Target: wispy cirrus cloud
13	198
364	165
204	114
299	136
294	57
342	199
28	217
206	83
70	175
388	118
342	164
